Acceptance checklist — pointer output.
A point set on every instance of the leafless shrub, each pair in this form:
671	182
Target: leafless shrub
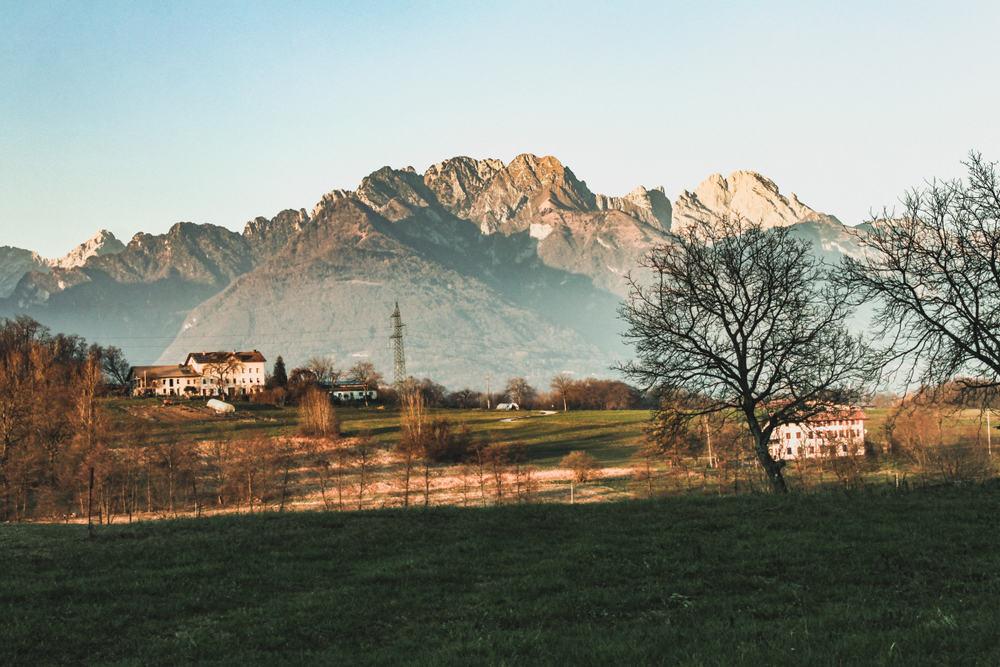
645	471
363	453
963	462
319	419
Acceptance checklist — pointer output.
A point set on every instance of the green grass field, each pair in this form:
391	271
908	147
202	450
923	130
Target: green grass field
907	578
609	435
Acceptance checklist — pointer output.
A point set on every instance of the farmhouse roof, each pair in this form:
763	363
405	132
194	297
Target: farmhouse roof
349	386
157	372
839	413
216	357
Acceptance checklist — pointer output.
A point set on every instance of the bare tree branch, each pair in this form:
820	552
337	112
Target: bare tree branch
742	318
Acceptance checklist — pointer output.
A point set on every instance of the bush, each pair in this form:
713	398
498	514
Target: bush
963	462
319	419
582	464
276	397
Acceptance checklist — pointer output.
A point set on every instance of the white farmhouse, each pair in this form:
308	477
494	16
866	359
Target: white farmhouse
236	373
202	374
352	391
176	380
840	431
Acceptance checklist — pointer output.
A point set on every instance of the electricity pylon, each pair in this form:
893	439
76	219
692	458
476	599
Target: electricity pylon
399	360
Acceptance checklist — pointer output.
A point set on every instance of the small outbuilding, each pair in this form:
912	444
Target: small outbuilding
507	406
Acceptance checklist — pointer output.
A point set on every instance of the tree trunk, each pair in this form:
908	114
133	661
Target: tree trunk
772	468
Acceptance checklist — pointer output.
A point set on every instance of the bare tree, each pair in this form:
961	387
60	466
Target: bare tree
738	316
222	370
364	453
518	389
464	398
560	386
364	373
935	273
116	365
324	369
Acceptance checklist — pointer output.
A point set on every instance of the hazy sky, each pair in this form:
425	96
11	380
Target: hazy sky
132	116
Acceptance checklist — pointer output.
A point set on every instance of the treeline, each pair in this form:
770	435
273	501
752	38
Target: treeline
565	393
52	428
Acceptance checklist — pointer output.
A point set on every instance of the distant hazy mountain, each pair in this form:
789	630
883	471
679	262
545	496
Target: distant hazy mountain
513	269
15	262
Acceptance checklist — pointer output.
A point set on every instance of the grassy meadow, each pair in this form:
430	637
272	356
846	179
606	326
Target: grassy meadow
611	437
909	577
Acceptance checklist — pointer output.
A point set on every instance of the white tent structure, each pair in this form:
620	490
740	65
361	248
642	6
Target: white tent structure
220	406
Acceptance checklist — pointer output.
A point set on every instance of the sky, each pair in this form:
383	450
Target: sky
132	116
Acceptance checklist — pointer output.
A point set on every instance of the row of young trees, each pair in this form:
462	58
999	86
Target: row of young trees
735	318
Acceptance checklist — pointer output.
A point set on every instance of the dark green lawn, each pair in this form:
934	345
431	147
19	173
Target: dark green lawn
829	579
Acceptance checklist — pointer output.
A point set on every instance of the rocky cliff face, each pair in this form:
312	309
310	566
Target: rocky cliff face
650	206
744	193
267	237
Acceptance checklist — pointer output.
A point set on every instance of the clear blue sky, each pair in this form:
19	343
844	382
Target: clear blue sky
131	116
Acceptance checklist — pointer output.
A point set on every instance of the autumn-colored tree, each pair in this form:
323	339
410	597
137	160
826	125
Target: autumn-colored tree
582	464
560	386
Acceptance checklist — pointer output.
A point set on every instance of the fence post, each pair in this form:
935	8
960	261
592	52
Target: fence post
90	499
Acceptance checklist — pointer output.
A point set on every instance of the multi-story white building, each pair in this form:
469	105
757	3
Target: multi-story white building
202	374
840	431
230	372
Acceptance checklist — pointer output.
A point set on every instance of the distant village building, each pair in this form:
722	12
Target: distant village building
348	391
840	431
202	374
176	380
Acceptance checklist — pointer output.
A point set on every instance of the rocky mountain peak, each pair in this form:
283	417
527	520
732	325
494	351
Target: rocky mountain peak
458	181
744	193
529	186
269	236
650	206
101	243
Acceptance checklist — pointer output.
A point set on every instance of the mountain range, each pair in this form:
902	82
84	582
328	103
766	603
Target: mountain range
509	269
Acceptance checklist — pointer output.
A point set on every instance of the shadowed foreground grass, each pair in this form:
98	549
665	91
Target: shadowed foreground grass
828	579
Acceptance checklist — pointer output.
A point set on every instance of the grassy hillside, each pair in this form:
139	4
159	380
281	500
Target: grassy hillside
910	578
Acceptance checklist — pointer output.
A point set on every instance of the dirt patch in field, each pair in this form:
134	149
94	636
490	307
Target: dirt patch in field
182	414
